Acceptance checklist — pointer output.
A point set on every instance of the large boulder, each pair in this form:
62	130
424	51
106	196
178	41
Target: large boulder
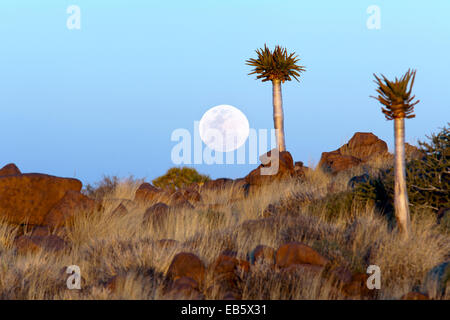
157	214
364	146
71	204
357	287
183	288
186	264
27	198
9	170
272	169
335	162
146	193
296	253
361	148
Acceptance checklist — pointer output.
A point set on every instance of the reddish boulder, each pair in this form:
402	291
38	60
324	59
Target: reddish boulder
294	253
191	195
357	287
146	192
186	264
156	214
184	288
9	170
71	204
362	147
179	200
27	198
272	169
335	162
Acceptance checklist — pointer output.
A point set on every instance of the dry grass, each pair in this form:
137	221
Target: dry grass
104	245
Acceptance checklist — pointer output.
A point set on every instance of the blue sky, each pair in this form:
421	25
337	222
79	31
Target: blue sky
104	100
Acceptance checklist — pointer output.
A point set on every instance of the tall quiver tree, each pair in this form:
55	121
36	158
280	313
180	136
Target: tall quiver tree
276	66
398	104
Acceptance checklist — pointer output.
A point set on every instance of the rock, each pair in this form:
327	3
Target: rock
357	287
156	214
9	170
146	193
68	207
300	170
334	162
231	295
218	184
192	196
33	243
27	198
340	274
294	253
229	267
414	296
263	254
186	264
121	210
356	180
276	169
184	288
227	274
362	147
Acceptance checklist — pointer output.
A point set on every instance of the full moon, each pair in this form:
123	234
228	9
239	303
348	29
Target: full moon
224	128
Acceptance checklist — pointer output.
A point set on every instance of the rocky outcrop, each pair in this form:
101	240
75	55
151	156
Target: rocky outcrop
146	193
362	147
28	198
9	170
71	204
272	169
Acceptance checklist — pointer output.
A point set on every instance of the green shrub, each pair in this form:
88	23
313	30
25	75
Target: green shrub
427	178
176	178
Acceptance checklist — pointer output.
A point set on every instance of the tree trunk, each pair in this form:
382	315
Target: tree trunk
278	117
400	193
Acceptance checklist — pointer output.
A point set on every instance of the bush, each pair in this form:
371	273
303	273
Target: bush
99	190
176	178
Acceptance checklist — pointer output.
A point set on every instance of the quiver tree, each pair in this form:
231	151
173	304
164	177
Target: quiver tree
398	104
277	66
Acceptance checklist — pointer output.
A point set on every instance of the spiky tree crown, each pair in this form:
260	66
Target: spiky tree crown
276	65
396	95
